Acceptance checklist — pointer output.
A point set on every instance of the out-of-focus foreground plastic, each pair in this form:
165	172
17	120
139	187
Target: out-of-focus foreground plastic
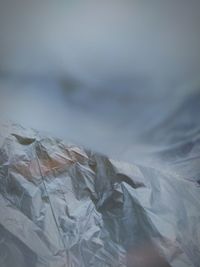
62	205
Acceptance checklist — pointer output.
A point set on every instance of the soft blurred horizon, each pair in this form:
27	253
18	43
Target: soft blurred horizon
100	73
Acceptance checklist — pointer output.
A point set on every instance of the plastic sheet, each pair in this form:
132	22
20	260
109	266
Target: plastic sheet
62	205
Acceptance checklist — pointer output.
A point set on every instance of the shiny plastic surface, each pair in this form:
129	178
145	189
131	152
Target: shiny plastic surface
62	205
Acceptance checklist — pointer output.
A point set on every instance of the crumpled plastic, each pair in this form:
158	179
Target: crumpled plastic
64	206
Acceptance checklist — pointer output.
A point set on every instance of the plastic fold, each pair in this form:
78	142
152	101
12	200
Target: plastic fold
64	206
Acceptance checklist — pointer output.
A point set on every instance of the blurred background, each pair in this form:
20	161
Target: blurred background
119	77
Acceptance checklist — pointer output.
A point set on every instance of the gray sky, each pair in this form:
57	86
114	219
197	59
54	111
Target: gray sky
130	63
96	41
